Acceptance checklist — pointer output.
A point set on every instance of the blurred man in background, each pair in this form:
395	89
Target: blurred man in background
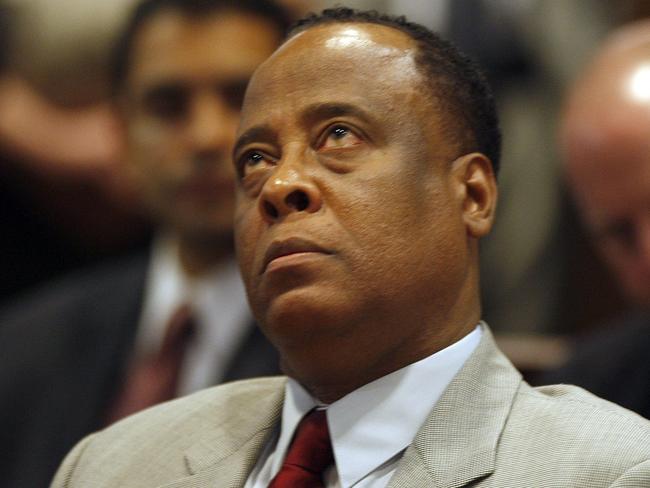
606	143
110	341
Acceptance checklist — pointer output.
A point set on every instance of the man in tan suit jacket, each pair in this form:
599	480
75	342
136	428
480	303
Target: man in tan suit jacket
366	160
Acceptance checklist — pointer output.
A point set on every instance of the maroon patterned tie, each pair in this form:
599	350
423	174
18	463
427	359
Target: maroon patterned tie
309	455
154	378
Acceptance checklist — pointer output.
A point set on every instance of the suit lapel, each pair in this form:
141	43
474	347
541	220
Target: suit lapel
458	441
455	446
227	453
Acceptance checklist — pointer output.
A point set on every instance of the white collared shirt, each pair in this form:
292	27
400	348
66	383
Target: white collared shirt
218	302
371	427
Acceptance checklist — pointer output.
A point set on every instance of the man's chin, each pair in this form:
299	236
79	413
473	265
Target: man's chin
298	315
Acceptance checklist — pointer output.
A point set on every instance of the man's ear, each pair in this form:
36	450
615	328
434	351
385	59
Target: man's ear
477	192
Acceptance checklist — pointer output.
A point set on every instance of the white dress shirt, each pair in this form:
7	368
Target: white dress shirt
371	427
218	302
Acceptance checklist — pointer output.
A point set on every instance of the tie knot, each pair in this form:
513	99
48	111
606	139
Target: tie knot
154	377
309	455
180	329
311	447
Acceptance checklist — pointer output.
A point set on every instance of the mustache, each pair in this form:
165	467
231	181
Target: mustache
291	245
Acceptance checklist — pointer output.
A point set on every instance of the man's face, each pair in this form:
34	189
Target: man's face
181	104
348	221
613	193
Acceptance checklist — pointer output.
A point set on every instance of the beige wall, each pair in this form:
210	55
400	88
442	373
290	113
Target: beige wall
61	45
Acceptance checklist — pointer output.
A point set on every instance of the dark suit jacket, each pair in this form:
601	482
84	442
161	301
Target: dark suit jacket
63	351
613	363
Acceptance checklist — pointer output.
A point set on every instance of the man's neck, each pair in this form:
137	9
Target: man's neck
343	376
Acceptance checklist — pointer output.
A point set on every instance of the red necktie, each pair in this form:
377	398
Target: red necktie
309	455
154	378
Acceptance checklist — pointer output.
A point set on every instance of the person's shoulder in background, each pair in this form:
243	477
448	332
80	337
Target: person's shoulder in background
78	292
61	347
613	363
58	321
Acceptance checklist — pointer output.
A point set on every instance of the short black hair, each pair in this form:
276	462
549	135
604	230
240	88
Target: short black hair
456	81
147	9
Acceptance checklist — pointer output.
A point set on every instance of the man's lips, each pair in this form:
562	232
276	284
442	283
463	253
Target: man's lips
291	246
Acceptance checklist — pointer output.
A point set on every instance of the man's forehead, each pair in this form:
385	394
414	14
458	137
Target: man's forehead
345	43
343	57
355	44
226	42
607	120
611	186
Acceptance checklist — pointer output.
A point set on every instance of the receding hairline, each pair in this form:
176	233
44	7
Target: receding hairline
284	49
622	53
405	48
624	47
599	114
343	25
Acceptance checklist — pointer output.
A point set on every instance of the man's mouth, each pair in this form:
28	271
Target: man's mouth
283	250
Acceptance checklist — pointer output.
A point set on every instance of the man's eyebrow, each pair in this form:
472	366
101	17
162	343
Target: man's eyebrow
334	109
255	133
317	111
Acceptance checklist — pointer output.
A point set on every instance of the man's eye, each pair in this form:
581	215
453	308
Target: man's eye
233	94
167	102
622	233
340	137
253	159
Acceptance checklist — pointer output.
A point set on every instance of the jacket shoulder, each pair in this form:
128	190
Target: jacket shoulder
595	442
568	400
152	444
226	403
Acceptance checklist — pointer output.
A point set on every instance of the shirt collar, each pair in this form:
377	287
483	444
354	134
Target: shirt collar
376	422
213	294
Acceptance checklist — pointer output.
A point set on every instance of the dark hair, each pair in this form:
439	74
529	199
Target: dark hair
456	81
147	9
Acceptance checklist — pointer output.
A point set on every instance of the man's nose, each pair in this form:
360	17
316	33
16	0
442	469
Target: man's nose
212	126
289	190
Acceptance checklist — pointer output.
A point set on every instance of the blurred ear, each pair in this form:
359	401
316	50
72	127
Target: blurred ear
477	192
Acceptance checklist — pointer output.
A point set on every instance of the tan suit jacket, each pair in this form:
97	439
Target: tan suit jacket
489	429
